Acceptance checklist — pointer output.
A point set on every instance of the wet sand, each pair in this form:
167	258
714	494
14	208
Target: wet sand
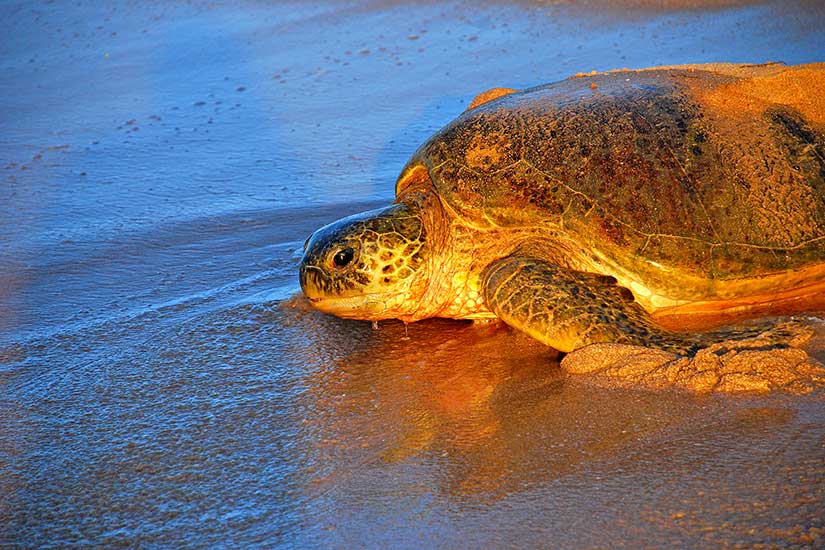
161	385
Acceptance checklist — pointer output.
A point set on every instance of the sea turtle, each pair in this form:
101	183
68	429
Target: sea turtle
626	207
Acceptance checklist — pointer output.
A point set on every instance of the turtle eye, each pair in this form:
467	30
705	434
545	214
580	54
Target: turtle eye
343	257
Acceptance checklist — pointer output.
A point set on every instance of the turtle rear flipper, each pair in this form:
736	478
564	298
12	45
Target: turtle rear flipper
569	309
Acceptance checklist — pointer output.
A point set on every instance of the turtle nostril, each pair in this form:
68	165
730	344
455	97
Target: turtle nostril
343	257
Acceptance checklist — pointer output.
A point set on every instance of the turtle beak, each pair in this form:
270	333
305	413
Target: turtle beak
313	281
304	270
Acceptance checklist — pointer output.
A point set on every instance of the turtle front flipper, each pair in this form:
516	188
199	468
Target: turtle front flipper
569	309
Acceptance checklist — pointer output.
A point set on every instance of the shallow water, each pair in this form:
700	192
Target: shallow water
161	386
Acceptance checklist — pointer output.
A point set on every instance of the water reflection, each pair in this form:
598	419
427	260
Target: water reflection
446	424
482	409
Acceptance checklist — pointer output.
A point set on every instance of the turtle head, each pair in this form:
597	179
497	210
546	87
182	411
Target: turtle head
368	266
